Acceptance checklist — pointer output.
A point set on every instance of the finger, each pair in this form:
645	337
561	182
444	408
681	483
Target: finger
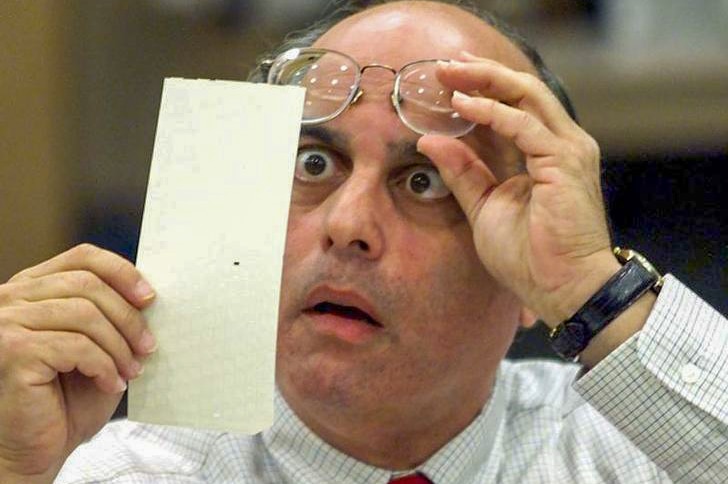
37	357
126	318
470	180
113	269
527	132
64	352
80	316
520	89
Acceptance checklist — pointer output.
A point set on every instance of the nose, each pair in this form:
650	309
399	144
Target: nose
353	222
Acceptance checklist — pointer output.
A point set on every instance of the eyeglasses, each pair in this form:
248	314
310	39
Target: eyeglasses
332	81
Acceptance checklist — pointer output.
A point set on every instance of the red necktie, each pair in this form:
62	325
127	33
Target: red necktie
411	479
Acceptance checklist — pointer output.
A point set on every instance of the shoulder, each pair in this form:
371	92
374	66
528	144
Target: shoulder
128	449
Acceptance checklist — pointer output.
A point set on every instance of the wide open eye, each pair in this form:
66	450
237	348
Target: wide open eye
425	182
314	165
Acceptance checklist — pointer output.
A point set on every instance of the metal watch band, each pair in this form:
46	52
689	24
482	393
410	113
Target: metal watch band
621	290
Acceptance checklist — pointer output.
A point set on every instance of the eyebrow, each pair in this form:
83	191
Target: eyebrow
405	152
398	153
327	136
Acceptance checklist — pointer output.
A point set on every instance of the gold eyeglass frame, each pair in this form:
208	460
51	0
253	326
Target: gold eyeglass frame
271	70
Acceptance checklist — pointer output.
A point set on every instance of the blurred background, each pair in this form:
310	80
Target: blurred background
80	83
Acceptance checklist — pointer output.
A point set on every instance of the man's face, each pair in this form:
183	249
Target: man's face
385	303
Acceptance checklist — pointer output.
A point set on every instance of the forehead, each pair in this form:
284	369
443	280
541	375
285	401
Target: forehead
402	32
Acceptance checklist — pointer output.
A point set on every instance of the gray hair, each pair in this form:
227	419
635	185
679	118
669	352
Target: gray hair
307	37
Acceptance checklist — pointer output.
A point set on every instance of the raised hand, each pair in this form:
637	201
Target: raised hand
71	335
542	232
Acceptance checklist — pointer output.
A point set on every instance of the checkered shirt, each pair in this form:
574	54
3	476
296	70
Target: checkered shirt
653	411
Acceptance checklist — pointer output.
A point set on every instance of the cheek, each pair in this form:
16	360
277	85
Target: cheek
444	258
301	240
301	237
458	304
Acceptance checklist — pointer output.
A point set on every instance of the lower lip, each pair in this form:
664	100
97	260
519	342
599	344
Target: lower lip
353	331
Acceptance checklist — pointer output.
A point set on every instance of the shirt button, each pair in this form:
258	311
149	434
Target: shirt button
690	373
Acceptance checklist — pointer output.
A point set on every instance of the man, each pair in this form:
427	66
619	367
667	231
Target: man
410	262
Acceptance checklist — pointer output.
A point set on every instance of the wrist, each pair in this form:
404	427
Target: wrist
619	306
631	321
569	298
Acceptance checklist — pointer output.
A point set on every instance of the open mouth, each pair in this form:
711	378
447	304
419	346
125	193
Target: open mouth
349	312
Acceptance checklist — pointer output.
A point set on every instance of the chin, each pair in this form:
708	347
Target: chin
318	384
325	378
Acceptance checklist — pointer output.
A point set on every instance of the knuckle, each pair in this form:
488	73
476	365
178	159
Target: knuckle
121	265
84	281
6	294
491	105
48	310
584	149
99	362
130	318
84	309
20	276
84	250
530	81
592	147
107	366
524	120
79	341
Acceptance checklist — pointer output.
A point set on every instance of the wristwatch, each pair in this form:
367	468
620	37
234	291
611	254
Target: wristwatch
636	277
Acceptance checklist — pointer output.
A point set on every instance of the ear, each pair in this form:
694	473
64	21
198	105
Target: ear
527	318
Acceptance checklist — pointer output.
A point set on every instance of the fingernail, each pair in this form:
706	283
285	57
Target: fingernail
443	63
460	96
148	343
136	368
143	290
120	385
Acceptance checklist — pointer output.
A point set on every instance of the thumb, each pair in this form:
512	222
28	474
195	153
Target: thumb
465	174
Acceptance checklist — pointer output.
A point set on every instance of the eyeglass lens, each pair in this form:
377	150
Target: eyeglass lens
424	103
331	79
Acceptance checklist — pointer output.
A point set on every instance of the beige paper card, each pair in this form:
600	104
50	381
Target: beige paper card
212	242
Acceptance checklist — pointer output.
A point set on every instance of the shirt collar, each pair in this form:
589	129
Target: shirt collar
305	457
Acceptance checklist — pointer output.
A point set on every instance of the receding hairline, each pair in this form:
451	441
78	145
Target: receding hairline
462	17
308	36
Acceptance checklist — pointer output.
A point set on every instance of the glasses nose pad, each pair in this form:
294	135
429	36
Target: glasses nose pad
358	94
